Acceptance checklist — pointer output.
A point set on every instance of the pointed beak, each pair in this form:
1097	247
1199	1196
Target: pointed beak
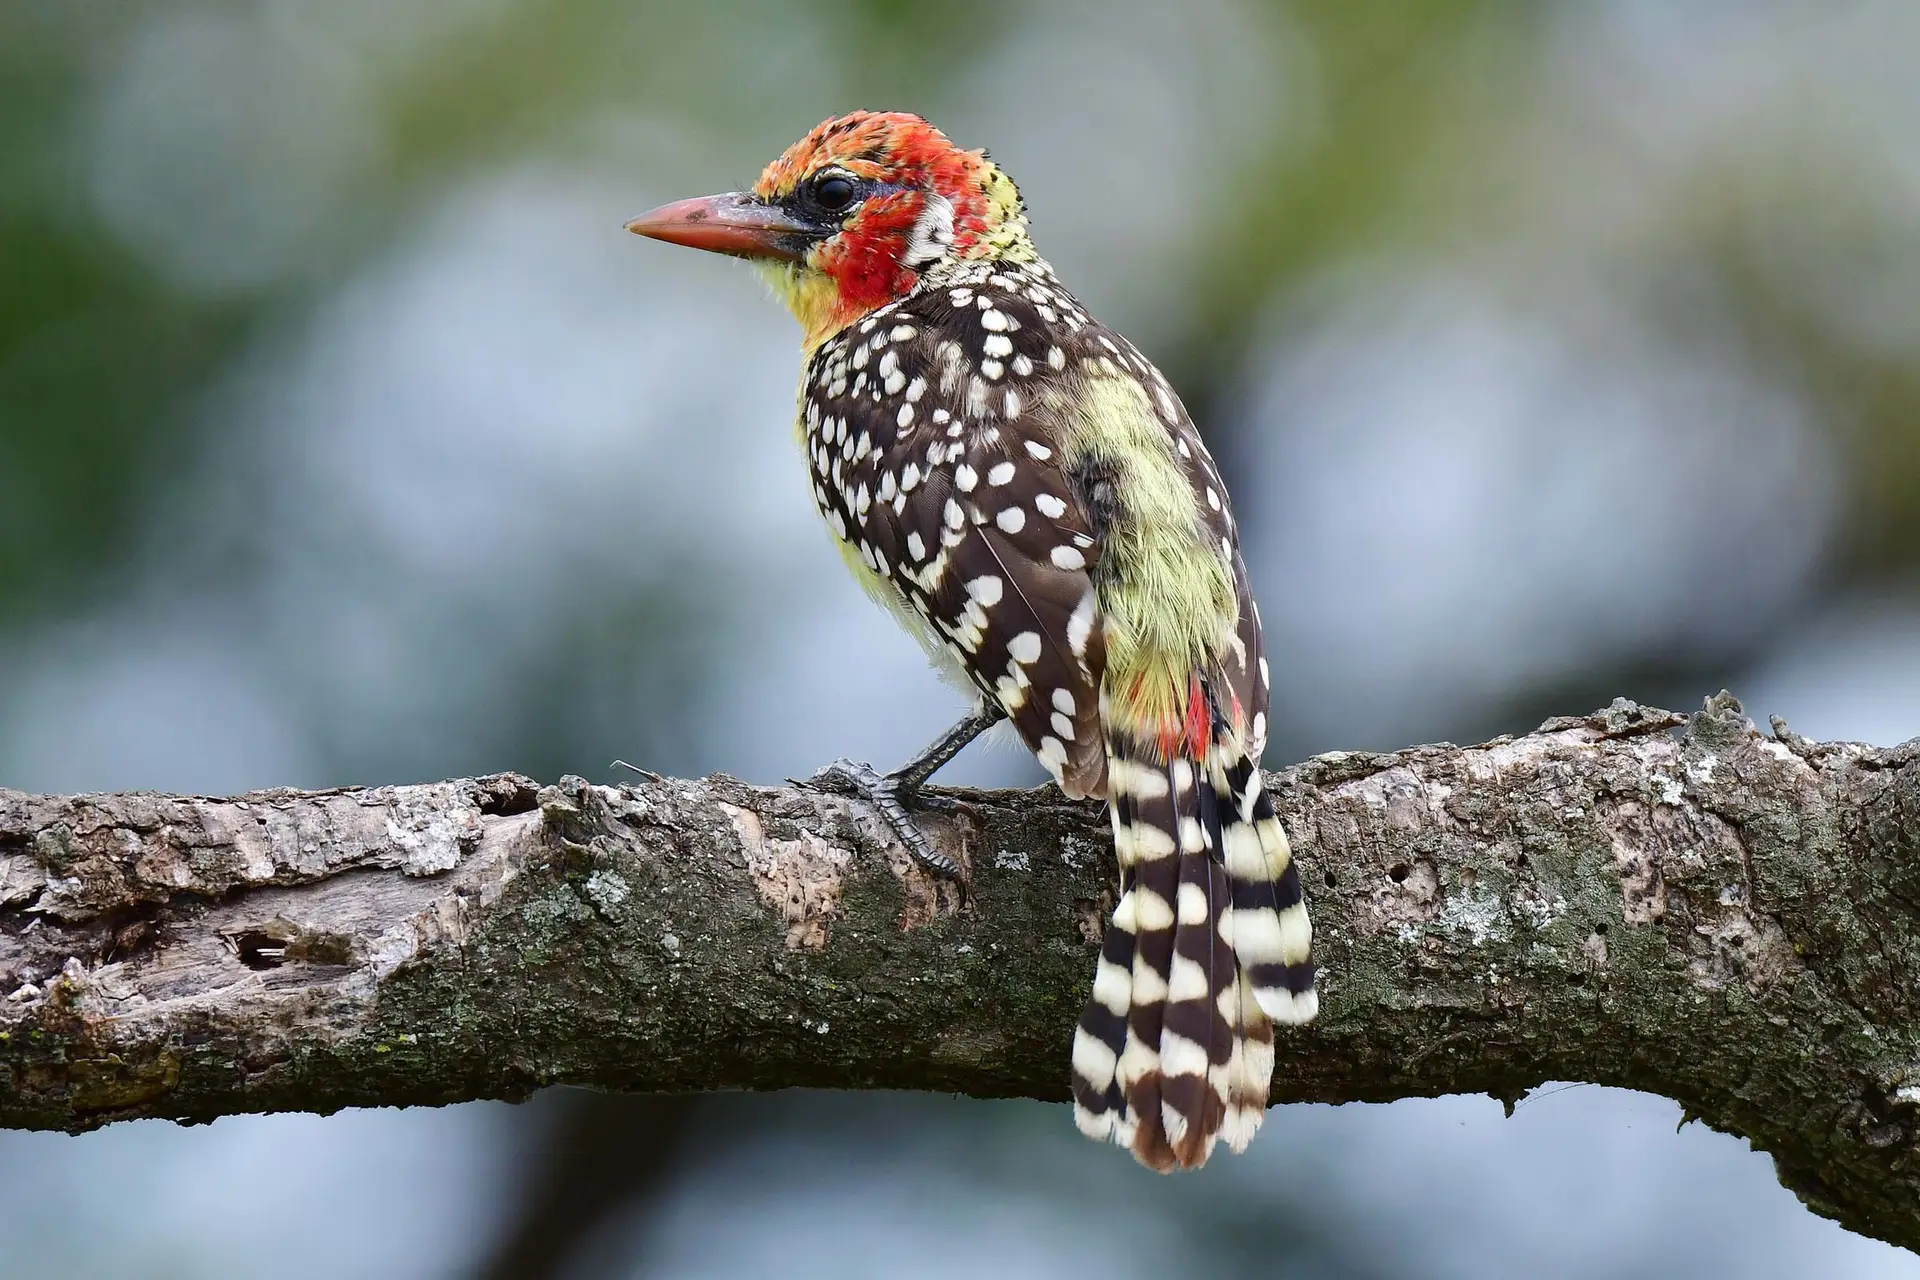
736	223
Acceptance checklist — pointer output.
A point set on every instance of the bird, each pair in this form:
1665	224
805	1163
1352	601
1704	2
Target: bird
1025	492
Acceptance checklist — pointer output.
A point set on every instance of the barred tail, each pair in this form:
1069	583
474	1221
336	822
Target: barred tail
1208	947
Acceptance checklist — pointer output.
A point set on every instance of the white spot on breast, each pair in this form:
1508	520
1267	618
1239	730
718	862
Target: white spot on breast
1063	701
916	545
901	332
986	589
997	344
1012	519
904	418
1067	558
992	368
1022	365
977	398
955	516
1180	446
1010	405
1050	506
1213	497
1025	647
1038	450
940	415
1266	677
961	297
896	381
965	478
1062	726
916	389
999	473
909	477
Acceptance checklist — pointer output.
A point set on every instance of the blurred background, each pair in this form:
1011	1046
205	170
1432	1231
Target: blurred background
1559	351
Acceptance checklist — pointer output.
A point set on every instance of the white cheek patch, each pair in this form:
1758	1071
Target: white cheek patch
932	233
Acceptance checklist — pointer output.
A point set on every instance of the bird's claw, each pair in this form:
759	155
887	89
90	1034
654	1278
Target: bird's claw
891	798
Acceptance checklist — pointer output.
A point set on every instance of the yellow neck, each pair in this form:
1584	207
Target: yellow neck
812	296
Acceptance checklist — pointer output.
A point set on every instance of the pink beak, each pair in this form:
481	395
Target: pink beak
736	223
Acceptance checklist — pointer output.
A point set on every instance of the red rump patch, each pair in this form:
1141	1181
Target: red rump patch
1187	737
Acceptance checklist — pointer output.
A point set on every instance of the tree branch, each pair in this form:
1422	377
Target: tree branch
1725	918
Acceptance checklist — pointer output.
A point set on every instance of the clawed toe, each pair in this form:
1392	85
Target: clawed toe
891	797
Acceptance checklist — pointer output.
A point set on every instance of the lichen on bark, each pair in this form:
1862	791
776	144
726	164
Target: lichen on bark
1683	905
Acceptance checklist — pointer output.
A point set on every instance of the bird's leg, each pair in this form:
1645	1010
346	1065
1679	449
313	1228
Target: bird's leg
913	775
894	794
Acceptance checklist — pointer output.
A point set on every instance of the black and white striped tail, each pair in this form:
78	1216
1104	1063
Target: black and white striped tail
1209	946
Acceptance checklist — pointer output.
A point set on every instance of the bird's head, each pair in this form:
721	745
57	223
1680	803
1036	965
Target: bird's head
854	214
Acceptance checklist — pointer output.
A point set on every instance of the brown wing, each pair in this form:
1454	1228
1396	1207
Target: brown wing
932	457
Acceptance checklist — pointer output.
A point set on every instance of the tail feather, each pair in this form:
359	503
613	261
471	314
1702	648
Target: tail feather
1101	1037
1208	947
1272	934
1153	900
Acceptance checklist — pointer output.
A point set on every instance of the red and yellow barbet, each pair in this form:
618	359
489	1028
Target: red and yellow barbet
1023	489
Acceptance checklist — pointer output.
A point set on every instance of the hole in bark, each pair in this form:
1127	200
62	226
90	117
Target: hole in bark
506	796
130	930
1331	882
1736	941
1576	979
1601	928
261	951
1399	872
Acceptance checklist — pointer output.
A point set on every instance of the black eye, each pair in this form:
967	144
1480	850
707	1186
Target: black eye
834	193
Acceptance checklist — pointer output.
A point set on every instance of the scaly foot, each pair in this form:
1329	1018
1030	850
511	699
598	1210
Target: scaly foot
891	795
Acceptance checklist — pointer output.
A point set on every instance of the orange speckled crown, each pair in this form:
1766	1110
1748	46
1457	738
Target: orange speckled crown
872	261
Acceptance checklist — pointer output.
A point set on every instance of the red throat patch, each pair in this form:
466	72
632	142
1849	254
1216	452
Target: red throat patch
866	260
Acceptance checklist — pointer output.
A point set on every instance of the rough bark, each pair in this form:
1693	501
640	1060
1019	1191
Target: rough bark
1632	898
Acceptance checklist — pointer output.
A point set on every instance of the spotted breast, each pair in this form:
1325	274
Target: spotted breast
932	428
